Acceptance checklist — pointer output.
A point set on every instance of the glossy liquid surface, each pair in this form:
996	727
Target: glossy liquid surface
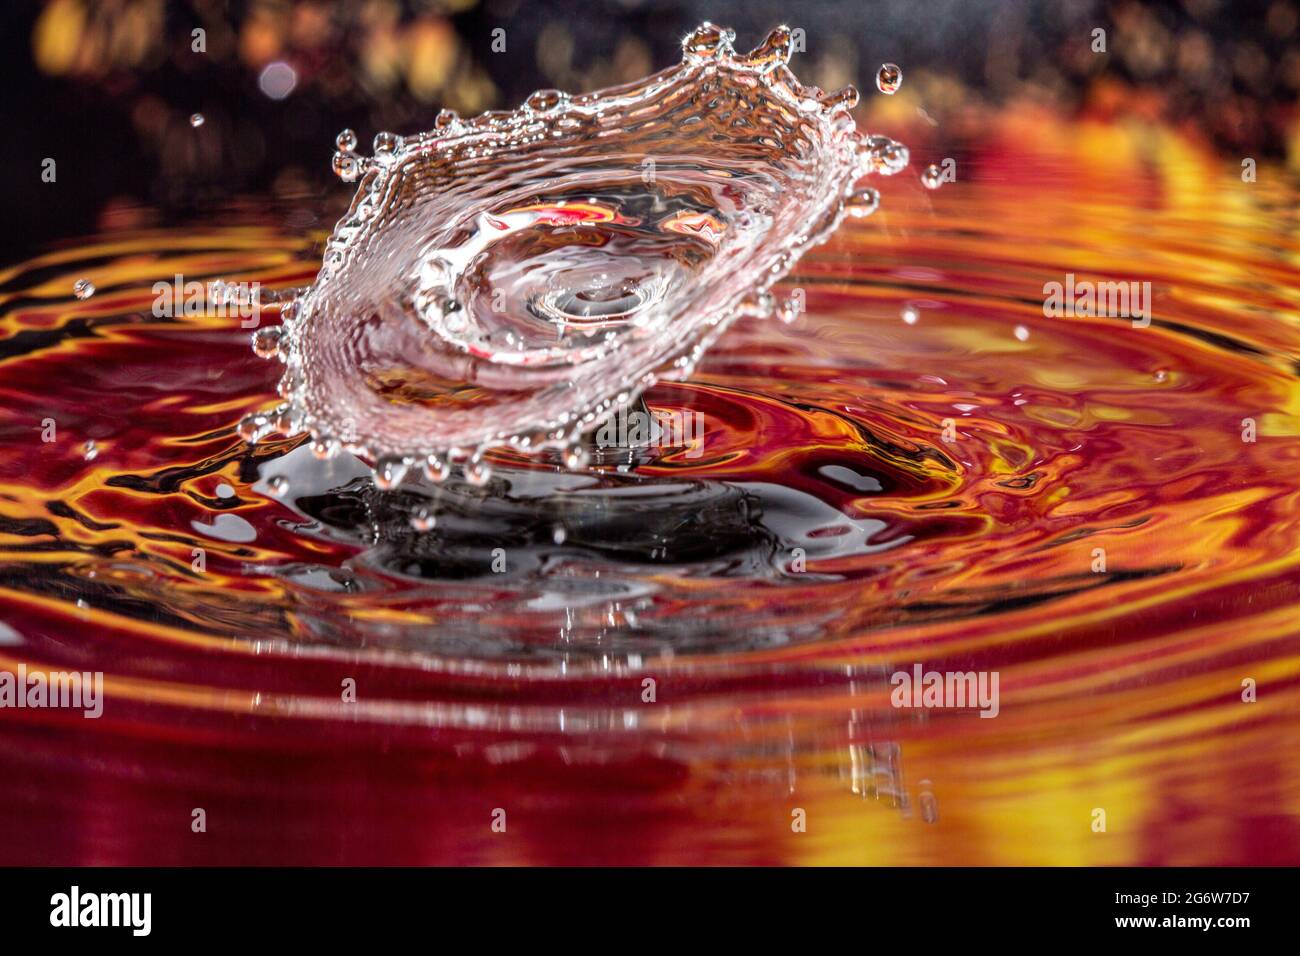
970	544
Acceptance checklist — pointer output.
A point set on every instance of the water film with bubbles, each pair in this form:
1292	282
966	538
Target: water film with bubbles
513	278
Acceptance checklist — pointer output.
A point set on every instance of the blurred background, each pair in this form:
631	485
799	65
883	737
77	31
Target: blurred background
108	87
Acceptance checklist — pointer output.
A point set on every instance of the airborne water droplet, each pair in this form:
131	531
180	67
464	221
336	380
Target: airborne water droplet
932	177
346	166
889	78
862	203
278	485
83	289
266	341
196	120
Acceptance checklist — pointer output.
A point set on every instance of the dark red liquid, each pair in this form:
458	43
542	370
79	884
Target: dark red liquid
966	544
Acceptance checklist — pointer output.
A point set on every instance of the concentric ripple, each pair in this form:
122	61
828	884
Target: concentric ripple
923	468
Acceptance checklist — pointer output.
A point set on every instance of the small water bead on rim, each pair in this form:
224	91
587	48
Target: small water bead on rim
386	142
478	472
323	448
576	457
772	52
196	120
253	428
346	141
83	289
846	97
862	203
390	472
707	39
346	166
932	177
889	78
435	468
882	155
543	101
266	341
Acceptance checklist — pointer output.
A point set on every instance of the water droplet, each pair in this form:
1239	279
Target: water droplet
477	471
932	177
558	534
889	78
1161	375
282	420
196	120
862	203
386	142
346	166
266	341
774	51
435	468
576	457
1022	333
89	451
83	289
423	520
846	98
252	428
707	39
278	485
883	155
543	101
346	141
323	448
910	316
389	473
